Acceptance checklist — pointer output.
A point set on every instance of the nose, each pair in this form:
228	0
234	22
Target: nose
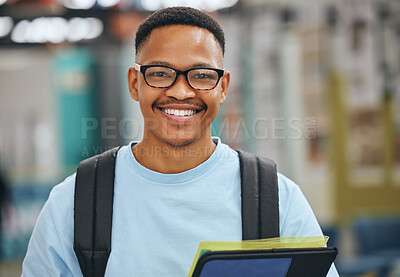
181	89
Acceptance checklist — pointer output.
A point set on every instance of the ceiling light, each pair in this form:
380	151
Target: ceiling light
18	33
107	3
6	24
78	29
79	4
95	28
59	30
208	5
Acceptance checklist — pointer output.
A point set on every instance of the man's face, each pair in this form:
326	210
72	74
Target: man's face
178	115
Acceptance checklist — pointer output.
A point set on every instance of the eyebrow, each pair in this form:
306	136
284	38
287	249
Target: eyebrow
159	63
168	64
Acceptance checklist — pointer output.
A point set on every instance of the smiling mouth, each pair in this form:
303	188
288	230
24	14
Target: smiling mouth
177	112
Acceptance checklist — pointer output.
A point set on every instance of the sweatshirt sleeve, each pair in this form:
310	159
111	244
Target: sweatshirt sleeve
296	218
50	250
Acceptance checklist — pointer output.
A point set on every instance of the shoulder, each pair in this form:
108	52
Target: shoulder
50	250
59	205
64	191
295	214
55	221
290	195
58	211
65	187
287	187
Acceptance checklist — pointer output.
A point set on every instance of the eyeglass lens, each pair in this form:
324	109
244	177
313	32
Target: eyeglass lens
197	78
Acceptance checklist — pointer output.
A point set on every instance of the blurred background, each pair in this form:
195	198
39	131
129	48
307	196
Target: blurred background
315	85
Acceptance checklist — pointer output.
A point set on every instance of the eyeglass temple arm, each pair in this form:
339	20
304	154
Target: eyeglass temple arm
137	67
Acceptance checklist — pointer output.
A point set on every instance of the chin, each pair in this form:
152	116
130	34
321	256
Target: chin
179	142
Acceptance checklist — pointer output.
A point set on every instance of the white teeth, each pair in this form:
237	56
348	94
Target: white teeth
179	112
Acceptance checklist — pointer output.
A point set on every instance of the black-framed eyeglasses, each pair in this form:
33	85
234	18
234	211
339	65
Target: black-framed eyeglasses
161	76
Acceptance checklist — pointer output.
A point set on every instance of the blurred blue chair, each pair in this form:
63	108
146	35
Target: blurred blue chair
378	245
378	235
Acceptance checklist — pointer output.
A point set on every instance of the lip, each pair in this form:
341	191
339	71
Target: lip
183	106
180	119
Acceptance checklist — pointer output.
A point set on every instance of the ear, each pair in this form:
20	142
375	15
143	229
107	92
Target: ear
133	83
224	86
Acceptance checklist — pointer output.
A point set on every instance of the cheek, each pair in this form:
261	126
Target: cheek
143	88
213	102
146	103
214	98
145	94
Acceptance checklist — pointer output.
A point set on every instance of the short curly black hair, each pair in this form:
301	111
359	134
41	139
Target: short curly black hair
178	16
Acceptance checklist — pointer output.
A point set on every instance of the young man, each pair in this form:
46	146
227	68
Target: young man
178	186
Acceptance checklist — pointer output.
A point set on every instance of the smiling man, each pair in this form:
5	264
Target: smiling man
180	83
178	185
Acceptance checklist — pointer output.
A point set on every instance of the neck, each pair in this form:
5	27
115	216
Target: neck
168	159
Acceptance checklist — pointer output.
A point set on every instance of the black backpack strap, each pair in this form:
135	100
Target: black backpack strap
260	199
93	209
